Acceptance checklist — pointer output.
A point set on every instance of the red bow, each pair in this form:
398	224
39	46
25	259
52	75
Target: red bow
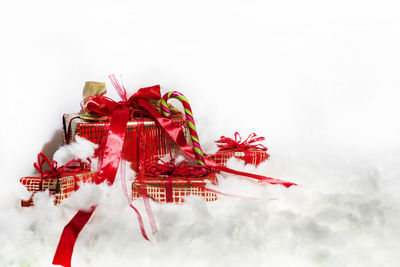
171	169
100	105
227	143
55	171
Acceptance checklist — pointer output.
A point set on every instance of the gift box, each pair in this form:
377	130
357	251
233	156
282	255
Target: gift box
252	156
166	182
144	138
248	150
156	188
60	188
60	181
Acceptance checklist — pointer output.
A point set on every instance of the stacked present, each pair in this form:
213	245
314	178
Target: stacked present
168	182
141	130
249	150
60	181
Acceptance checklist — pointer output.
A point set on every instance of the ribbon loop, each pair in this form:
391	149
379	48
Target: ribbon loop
227	143
54	171
171	169
119	88
100	106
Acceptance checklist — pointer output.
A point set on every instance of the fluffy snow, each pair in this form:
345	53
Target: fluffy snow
342	214
82	149
318	79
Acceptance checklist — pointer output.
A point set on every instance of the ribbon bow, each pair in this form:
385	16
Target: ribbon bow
227	143
55	171
171	169
100	106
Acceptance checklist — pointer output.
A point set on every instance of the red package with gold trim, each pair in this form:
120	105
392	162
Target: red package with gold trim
61	188
247	150
165	182
151	143
252	156
60	181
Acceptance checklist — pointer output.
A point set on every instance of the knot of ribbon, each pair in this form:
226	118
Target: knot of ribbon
227	143
103	106
171	169
55	171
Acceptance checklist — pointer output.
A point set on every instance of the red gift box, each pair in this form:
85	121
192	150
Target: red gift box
61	181
155	188
248	150
252	156
167	182
61	188
151	143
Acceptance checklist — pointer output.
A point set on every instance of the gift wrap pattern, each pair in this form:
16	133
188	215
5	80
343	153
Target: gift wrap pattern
155	187
152	143
252	156
60	188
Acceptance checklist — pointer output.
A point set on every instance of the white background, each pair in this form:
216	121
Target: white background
305	74
319	79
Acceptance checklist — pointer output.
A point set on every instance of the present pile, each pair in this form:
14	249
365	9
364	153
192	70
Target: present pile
141	130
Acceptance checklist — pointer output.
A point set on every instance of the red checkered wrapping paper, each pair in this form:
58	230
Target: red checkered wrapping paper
154	143
154	188
252	156
60	188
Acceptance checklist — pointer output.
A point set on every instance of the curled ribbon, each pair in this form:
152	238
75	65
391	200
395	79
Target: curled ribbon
170	168
55	171
227	143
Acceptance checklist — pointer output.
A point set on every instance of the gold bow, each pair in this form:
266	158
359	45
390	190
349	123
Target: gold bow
92	89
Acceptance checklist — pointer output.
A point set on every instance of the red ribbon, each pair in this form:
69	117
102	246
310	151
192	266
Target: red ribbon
171	169
119	113
55	172
227	143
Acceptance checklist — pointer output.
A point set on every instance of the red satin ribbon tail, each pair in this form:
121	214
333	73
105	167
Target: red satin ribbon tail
150	214
68	238
108	170
141	224
254	176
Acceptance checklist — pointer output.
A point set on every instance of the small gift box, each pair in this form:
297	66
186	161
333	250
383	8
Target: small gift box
247	150
166	182
60	181
144	138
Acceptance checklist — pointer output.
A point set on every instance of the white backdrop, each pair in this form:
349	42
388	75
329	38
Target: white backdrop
319	79
308	75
